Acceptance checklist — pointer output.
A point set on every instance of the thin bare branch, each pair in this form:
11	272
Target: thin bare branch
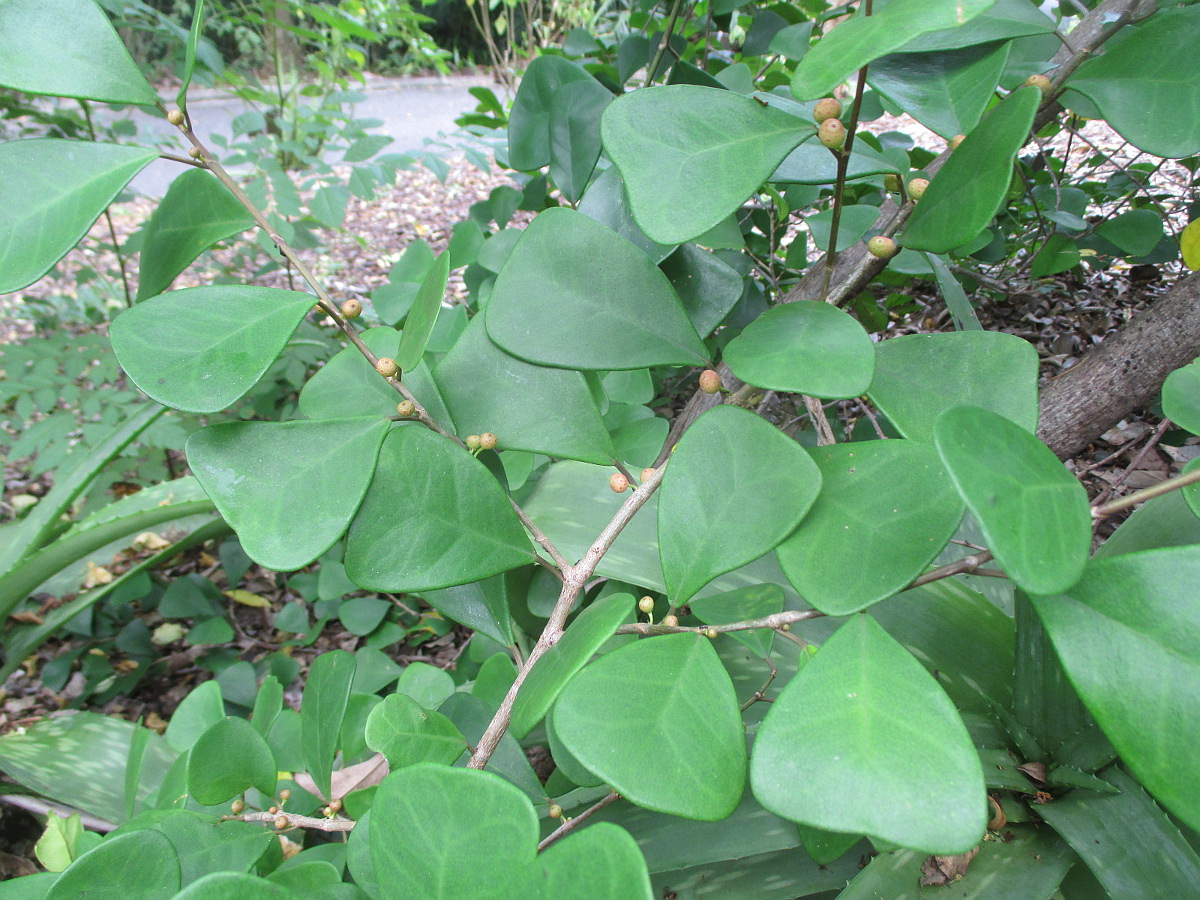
574	822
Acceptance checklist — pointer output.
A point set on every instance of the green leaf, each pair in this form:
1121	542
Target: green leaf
1181	397
207	845
393	300
197	212
527	407
407	734
856	221
201	349
613	715
707	287
322	710
60	842
481	605
138	866
743	604
863	740
919	376
574	294
1136	232
228	759
961	310
1141	88
603	857
433	517
423	315
889	502
67	49
200	710
1126	841
812	163
735	487
970	188
605	201
558	665
692	155
1034	514
1002	21
857	42
259	474
809	347
189	62
233	886
53	191
1129	646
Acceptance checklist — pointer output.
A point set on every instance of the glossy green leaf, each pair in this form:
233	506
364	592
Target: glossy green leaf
527	407
957	302
197	212
322	710
707	287
1129	643
433	517
946	92
736	486
407	734
1141	88
574	294
481	605
860	40
393	300
863	740
692	155
613	716
605	201
1126	840
228	759
1002	21
201	349
808	347
855	222
423	315
67	48
1181	397
601	861
1034	514
234	886
970	188
53	192
919	376
1059	254
138	866
885	510
1136	232
200	709
259	474
558	666
205	844
189	61
812	163
471	716
741	605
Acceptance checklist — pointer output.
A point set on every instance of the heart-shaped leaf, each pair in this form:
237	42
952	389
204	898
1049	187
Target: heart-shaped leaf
260	473
692	155
659	721
53	191
735	487
863	740
201	349
1033	513
601	861
407	734
228	759
886	509
808	347
433	517
575	294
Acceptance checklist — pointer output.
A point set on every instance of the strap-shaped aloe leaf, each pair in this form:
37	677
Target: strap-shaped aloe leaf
1131	646
558	665
423	314
261	474
919	376
1144	89
969	190
1034	514
527	407
433	517
201	349
809	347
67	48
1181	397
863	740
197	212
575	294
692	155
229	758
887	508
407	734
735	487
53	191
855	43
139	865
614	717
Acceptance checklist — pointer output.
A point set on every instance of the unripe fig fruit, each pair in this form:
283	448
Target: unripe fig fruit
646	604
832	133
1041	82
352	308
710	381
955	141
473	442
916	188
238	806
195	153
406	408
891	184
386	367
487	441
710	633
646	474
285	795
618	483
829	108
555	811
670	621
881	247
281	822
175	117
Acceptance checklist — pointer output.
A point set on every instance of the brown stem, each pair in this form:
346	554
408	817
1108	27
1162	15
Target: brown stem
964	566
1157	490
571	824
334	823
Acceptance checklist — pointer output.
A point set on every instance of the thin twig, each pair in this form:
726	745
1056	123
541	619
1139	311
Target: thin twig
761	693
666	42
816	412
775	620
334	823
1131	500
965	566
574	822
538	535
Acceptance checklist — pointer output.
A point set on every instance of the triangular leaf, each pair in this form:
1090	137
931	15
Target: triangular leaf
228	759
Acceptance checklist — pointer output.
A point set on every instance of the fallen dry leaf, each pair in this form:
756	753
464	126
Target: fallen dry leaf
938	870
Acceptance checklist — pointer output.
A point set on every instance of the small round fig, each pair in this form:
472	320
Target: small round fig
832	133
953	143
175	117
195	153
881	247
386	366
916	188
285	795
473	442
646	605
829	108
618	482
238	806
710	381
710	633
406	409
1041	82
281	822
487	441
647	474
352	308
555	811
670	621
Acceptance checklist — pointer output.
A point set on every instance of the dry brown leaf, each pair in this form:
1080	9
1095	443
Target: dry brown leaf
361	775
937	870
